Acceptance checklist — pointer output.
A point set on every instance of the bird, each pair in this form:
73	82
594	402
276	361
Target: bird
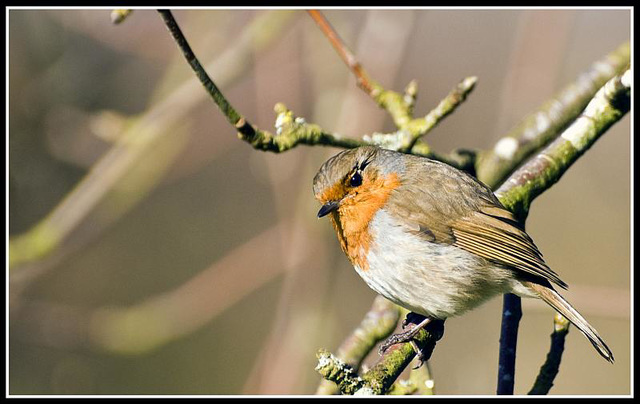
432	238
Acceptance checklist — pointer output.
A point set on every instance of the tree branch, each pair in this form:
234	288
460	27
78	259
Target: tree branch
234	118
378	323
541	127
379	378
511	315
399	106
337	371
551	366
422	126
420	382
610	104
364	82
411	130
517	196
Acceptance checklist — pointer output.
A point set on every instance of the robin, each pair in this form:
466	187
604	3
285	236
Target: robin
432	238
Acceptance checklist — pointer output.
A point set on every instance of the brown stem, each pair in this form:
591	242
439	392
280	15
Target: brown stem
347	56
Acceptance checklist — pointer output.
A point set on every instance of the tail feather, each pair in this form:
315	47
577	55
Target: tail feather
552	298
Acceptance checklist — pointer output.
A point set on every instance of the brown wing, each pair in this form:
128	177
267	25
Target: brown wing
447	206
496	239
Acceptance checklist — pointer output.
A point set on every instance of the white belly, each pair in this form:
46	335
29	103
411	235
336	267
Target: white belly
428	278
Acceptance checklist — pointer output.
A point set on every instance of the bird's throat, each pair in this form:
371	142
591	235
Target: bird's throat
351	220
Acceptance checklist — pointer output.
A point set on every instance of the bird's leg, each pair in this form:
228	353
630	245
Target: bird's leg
412	318
418	351
407	336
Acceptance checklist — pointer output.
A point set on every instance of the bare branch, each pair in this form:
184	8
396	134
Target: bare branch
542	126
234	118
511	314
399	106
551	366
364	82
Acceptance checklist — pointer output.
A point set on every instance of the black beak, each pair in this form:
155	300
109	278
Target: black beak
328	208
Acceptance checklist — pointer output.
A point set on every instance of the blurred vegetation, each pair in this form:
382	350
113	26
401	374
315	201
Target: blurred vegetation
222	239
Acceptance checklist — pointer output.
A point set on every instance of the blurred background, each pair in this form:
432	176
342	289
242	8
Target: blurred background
155	253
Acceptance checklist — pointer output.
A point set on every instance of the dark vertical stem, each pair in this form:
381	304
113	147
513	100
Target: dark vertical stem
511	314
551	366
227	109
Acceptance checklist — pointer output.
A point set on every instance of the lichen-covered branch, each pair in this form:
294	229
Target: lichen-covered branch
410	129
381	376
337	371
399	106
291	131
550	368
609	104
420	382
421	126
378	323
542	126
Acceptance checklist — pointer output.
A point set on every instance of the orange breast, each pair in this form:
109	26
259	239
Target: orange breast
356	210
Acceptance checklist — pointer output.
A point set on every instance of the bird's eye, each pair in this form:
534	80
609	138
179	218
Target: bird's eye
355	180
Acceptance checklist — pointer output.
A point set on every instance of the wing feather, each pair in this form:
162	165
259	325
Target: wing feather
502	243
430	204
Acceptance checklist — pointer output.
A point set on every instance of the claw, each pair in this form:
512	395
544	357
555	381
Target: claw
419	353
405	336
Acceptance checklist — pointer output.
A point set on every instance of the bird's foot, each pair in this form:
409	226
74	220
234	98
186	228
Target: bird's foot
419	322
412	318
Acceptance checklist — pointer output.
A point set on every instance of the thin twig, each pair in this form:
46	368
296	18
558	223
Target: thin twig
347	56
551	366
290	131
420	127
241	124
399	106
